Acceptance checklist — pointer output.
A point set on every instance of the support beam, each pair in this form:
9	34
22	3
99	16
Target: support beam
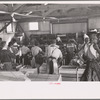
5	27
26	38
10	8
17	7
16	27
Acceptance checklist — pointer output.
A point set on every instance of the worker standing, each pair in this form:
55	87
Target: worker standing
54	56
92	71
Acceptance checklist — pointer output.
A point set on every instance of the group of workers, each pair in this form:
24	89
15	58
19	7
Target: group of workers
14	54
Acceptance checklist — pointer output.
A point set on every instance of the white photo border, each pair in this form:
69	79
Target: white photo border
50	90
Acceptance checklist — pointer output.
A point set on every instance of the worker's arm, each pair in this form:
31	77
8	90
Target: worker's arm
96	47
12	55
81	48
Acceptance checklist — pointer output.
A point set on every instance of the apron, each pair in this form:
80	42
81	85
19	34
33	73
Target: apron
52	62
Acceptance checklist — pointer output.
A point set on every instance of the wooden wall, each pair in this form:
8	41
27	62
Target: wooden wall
47	28
94	23
44	28
66	27
69	28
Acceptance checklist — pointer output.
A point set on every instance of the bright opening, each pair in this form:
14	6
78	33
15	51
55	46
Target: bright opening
9	28
33	26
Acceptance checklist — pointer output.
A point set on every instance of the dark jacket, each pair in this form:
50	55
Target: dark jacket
6	56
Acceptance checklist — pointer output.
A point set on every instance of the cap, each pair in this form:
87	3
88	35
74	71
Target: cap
94	30
92	33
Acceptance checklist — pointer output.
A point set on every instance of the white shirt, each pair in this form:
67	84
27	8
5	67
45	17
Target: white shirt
86	48
15	44
35	50
25	50
54	51
93	51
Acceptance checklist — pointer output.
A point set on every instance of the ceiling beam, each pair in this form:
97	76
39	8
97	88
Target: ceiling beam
47	9
10	7
67	7
64	8
32	8
17	7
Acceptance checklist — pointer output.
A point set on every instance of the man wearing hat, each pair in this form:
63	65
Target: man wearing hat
92	72
86	42
82	52
71	49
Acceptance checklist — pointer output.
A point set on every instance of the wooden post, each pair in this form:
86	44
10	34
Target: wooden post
27	40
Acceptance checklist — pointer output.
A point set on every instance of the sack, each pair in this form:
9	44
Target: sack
39	58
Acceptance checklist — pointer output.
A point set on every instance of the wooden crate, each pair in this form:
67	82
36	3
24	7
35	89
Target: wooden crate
71	73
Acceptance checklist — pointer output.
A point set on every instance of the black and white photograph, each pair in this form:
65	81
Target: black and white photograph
49	42
49	45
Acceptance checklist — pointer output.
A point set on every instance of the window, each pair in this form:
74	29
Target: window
33	26
9	28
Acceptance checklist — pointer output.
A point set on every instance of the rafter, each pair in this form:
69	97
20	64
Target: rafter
17	7
10	7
